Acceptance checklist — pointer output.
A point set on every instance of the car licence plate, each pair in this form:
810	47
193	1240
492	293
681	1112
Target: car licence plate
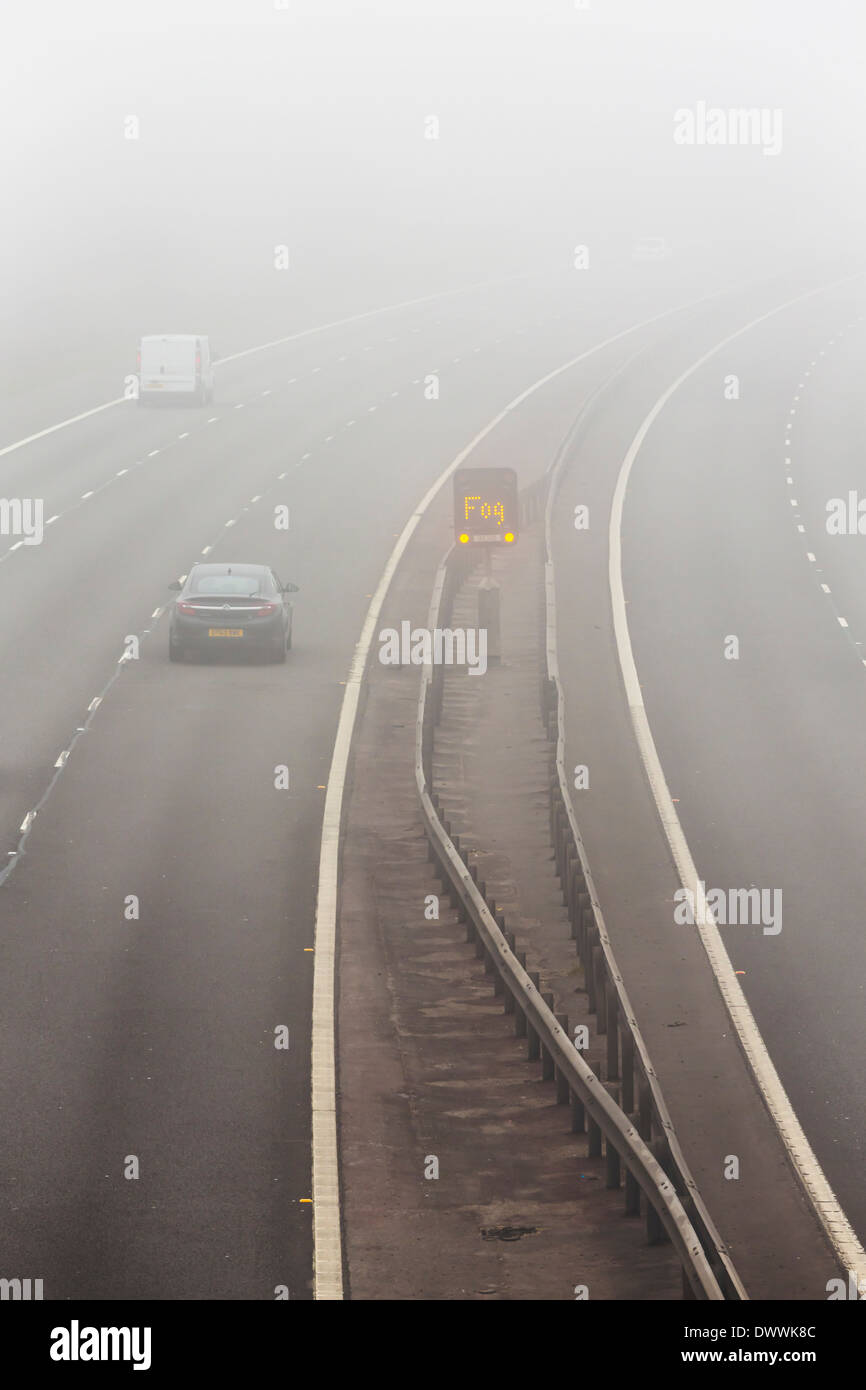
225	632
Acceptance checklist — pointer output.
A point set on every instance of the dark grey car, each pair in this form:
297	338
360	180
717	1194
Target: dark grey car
231	606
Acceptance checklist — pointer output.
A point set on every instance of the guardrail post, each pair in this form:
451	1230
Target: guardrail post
645	1112
533	1046
600	989
612	1158
588	970
632	1195
578	1115
627	1045
562	1087
611	1011
547	1067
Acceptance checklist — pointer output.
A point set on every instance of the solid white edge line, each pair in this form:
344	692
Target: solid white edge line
830	1214
327	1234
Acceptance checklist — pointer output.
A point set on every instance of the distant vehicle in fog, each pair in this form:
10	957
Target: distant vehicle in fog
651	248
242	607
175	365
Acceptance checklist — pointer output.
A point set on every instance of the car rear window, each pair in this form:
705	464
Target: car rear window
245	584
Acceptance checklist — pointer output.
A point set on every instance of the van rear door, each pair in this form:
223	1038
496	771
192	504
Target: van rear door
169	364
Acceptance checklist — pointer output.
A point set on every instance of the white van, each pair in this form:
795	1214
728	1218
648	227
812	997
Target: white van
175	364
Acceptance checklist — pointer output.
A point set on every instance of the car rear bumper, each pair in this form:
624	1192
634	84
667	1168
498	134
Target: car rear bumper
256	632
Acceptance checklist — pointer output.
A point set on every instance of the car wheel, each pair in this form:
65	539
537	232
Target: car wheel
278	653
175	652
289	640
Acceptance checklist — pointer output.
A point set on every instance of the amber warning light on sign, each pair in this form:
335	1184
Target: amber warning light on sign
485	506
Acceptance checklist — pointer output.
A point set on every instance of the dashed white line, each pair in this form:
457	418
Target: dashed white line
153	453
55	517
85	495
843	622
120	472
61	761
184	435
94	703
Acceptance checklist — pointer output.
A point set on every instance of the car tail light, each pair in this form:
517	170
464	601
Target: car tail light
267	610
188	609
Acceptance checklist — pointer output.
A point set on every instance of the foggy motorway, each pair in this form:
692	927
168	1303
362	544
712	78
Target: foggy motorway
329	975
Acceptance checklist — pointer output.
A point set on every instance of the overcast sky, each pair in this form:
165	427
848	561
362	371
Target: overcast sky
305	125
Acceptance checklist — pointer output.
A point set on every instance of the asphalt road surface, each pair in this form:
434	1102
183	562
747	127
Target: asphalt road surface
146	1043
762	745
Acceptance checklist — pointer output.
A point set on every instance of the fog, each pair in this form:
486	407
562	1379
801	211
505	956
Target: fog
154	156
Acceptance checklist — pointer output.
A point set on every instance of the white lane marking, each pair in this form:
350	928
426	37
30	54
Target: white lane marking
156	612
810	557
327	1235
16	546
61	761
51	429
394	393
230	523
316	369
212	419
85	495
372	313
804	1161
280	476
843	622
27	822
55	517
257	498
793	501
349	423
239	406
207	549
265	393
120	472
184	435
306	455
153	453
802	530
328	438
370	409
342	357
94	703
826	588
